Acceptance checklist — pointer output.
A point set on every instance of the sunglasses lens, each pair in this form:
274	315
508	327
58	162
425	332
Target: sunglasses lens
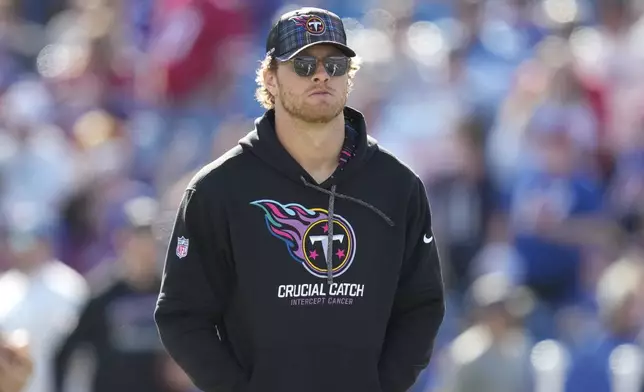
304	66
336	66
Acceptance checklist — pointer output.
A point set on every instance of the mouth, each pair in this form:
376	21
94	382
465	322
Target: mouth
320	93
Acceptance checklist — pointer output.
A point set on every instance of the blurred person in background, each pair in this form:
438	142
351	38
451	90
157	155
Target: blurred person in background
420	124
464	200
40	295
620	299
547	94
493	354
615	67
565	105
117	324
105	178
188	78
79	228
506	139
626	193
555	216
36	162
190	42
556	207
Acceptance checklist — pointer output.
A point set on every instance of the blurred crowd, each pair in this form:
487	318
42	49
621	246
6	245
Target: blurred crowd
524	117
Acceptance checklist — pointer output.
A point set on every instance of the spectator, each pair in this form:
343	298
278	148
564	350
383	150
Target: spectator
556	213
117	323
493	355
620	295
40	295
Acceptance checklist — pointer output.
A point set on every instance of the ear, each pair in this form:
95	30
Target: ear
270	80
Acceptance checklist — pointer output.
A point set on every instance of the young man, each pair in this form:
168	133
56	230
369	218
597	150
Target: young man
113	323
303	259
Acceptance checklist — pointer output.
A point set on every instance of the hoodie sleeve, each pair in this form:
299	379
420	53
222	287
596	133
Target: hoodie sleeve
195	289
419	306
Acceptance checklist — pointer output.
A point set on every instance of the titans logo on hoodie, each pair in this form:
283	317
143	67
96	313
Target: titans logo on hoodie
302	229
276	283
305	233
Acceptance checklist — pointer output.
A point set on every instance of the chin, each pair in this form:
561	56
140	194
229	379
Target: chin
320	113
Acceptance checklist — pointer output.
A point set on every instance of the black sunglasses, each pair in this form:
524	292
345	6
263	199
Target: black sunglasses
333	65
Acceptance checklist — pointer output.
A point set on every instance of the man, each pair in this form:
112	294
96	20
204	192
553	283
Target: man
493	353
620	300
40	295
114	324
303	259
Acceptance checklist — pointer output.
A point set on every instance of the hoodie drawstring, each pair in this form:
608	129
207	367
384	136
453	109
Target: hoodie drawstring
332	195
329	239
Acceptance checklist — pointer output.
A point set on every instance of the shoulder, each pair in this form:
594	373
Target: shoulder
469	346
393	163
102	279
395	170
65	282
219	171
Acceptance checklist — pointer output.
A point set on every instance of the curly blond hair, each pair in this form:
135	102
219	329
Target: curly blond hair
267	100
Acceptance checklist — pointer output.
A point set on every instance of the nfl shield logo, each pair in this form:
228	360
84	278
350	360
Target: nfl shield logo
182	247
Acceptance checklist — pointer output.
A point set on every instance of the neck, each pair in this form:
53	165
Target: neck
315	146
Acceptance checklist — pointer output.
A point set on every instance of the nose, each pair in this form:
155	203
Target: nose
320	75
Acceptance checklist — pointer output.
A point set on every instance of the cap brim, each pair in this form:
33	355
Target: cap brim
344	48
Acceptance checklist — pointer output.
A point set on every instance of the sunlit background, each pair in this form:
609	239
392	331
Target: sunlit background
525	118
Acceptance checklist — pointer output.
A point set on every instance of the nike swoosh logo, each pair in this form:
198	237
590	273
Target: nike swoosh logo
427	240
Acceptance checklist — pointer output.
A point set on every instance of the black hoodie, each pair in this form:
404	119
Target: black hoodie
247	303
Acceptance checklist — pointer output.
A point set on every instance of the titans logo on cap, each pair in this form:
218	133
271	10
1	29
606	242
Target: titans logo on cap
313	24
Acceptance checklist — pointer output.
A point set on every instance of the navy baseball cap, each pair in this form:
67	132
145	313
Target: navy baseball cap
300	29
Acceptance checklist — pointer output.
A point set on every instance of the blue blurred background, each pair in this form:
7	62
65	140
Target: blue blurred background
524	117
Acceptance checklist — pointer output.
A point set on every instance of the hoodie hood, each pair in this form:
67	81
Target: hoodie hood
263	143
